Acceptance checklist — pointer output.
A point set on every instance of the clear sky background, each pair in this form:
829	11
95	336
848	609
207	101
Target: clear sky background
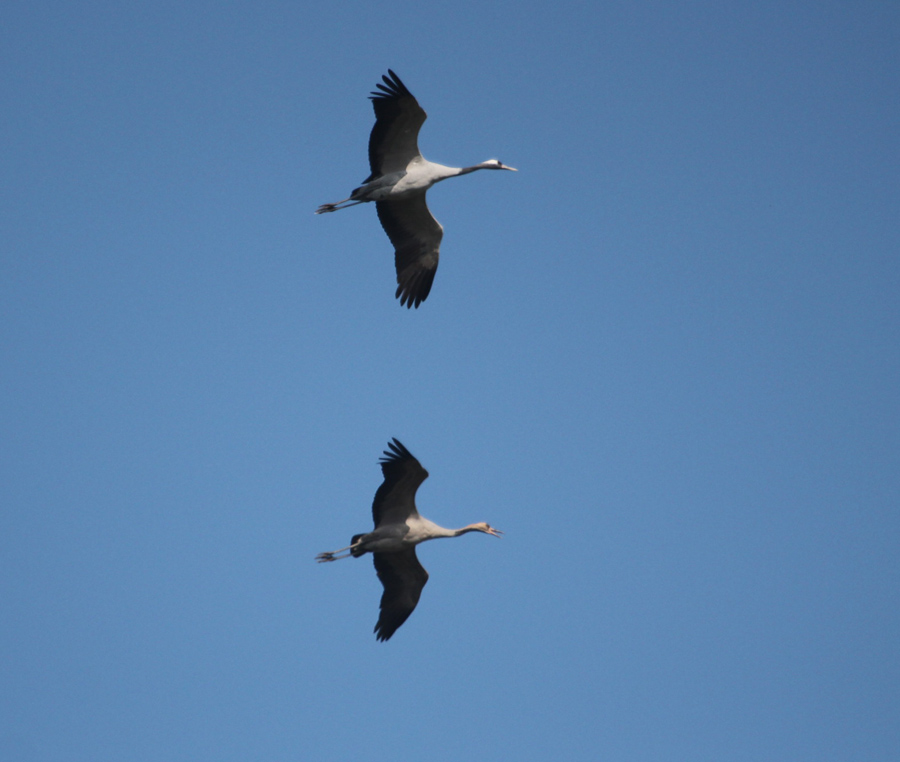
664	358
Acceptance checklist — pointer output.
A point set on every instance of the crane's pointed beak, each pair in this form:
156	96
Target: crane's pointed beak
494	532
511	169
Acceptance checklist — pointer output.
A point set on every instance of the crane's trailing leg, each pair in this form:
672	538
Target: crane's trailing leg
333	555
323	557
337	205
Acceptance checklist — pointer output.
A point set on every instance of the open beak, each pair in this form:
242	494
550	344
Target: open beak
494	532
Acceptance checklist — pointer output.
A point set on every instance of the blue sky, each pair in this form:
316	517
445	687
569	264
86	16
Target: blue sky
664	358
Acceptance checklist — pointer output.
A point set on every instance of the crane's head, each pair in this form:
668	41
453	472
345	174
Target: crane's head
483	526
495	164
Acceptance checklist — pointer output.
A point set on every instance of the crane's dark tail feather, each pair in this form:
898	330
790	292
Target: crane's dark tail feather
356	552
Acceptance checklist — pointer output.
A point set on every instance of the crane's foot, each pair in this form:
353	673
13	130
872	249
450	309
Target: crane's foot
326	208
323	557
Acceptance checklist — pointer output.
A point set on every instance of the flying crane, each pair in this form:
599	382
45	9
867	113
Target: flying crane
398	529
398	183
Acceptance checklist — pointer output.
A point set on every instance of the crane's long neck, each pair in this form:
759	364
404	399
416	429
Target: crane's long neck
423	529
438	172
437	531
458	532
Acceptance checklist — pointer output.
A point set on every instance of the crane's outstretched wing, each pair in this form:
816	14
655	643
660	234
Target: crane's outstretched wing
395	500
416	236
403	578
394	140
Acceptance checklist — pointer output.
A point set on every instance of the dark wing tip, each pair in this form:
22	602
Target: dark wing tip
397	462
384	630
414	285
393	87
396	452
382	633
